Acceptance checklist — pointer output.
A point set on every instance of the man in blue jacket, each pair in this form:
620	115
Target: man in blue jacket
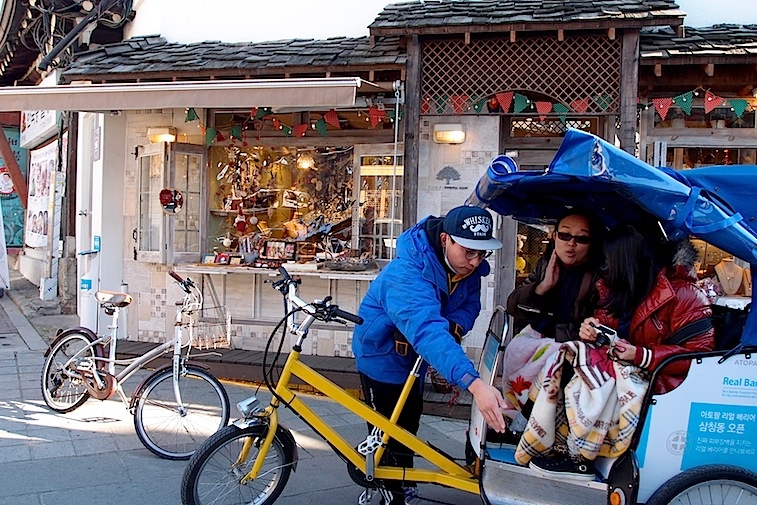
423	302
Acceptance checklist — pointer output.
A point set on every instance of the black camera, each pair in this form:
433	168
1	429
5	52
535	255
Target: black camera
605	335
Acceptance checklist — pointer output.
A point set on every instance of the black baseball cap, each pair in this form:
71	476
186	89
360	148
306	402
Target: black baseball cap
472	228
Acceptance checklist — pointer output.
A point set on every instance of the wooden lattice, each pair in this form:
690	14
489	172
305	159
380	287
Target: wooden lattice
578	71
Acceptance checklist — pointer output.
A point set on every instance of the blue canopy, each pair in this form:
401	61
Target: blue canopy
716	204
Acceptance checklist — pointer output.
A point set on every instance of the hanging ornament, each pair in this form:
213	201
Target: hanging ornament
332	118
521	102
662	105
581	105
711	101
738	105
543	108
561	110
191	115
322	128
504	98
684	101
459	103
300	129
375	114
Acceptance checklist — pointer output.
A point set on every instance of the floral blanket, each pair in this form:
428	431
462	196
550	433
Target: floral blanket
594	415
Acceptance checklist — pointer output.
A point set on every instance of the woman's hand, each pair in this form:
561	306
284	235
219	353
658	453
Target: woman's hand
624	350
587	332
551	275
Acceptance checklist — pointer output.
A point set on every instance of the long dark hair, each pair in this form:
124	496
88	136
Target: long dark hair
629	270
596	229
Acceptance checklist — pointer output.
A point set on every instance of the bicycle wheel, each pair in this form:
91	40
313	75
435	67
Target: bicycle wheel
172	434
721	484
64	390
213	474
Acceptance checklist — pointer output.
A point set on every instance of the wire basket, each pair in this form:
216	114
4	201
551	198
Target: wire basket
209	328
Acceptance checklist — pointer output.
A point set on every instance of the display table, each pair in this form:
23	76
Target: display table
733	301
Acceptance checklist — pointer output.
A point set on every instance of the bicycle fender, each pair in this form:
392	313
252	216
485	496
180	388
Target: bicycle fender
138	390
99	352
283	434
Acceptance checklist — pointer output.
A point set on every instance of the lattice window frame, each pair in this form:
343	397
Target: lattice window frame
578	68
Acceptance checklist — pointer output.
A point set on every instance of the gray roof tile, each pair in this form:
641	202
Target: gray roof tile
721	39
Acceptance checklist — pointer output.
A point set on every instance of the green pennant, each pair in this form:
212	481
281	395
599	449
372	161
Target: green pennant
236	132
561	110
210	136
262	112
191	115
441	103
390	114
287	130
603	101
738	105
322	128
684	101
478	105
520	103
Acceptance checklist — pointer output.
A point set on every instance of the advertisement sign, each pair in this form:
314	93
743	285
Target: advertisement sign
12	211
43	163
37	126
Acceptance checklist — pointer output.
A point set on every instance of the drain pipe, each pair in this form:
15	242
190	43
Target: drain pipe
93	15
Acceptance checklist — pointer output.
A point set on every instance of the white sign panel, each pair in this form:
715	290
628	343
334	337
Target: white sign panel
36	126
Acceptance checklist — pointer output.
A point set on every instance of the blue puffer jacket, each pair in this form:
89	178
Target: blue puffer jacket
411	294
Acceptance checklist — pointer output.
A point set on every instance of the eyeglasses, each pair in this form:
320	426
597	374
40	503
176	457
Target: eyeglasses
567	237
472	254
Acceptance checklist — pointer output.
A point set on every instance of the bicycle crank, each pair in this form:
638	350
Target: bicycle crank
94	389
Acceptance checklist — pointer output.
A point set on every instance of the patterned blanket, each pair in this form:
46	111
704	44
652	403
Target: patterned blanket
594	415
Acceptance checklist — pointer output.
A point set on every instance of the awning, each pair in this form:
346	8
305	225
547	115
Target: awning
301	93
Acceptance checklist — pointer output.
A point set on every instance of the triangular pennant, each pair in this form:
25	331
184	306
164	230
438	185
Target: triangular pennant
332	118
286	129
322	128
711	101
684	101
236	132
254	112
543	108
276	123
390	114
521	102
459	103
478	106
191	115
581	105
300	129
738	105
561	109
505	99
662	105
261	112
210	136
374	115
220	137
603	101
425	105
440	102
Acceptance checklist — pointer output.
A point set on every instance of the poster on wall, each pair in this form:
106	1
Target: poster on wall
12	210
42	168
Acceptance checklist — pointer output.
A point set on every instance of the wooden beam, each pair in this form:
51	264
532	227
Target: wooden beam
467	38
709	69
611	33
561	35
512	36
372	75
658	70
412	133
629	86
19	183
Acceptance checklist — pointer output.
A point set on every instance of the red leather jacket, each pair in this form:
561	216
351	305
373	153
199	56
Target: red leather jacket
674	301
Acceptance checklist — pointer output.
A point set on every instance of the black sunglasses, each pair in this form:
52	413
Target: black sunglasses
567	237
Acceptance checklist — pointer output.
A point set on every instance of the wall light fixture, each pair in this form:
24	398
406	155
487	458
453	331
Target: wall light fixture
449	133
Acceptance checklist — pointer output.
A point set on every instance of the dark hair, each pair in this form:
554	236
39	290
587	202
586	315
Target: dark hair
596	229
630	268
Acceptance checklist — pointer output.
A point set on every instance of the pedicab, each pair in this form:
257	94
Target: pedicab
697	443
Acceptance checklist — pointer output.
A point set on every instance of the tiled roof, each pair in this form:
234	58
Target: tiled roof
154	55
425	15
717	40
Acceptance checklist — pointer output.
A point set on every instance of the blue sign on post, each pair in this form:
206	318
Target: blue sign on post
96	243
85	284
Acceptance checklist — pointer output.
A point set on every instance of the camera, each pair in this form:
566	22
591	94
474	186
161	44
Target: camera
605	335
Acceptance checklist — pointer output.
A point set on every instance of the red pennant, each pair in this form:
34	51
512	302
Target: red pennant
425	105
711	101
332	118
459	103
662	105
300	129
375	114
220	137
543	108
276	123
581	105
505	99
254	112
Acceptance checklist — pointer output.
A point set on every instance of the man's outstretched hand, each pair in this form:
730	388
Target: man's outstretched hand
490	402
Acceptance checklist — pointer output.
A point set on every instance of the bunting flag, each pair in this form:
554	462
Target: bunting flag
459	103
505	99
210	136
561	110
236	132
684	101
220	137
521	102
581	105
321	127
543	108
478	105
425	105
662	105
300	129
261	112
390	114
738	105
374	115
332	118
286	129
441	103
276	123
711	101
191	115
603	101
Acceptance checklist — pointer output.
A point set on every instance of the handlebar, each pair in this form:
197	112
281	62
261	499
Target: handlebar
184	283
343	314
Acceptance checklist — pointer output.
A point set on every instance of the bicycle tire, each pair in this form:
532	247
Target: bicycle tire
212	477
61	391
167	433
723	484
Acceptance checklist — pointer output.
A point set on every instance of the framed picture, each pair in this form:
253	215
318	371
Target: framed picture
236	260
223	258
279	250
209	259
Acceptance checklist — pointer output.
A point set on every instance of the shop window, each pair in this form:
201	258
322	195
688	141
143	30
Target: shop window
534	127
169	220
684	158
718	118
380	203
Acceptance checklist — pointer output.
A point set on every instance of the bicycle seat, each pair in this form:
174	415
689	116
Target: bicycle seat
113	298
